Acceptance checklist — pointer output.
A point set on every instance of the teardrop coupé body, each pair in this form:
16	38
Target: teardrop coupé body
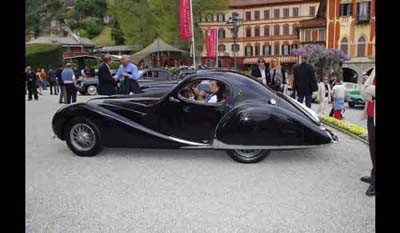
248	121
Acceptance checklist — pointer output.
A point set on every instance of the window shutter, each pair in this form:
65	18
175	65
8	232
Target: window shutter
351	9
358	11
341	9
369	11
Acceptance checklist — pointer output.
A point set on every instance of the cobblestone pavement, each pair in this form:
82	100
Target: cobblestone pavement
152	190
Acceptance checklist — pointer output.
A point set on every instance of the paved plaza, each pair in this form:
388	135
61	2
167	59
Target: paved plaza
153	190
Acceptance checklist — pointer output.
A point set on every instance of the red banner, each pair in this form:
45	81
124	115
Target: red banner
212	42
185	19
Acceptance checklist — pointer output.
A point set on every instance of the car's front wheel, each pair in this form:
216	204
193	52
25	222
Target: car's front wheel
248	156
91	90
83	137
351	105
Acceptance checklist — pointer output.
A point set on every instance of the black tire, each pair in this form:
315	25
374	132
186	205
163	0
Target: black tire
351	105
238	156
83	92
74	145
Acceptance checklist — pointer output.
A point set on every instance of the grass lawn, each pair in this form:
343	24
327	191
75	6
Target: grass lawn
104	38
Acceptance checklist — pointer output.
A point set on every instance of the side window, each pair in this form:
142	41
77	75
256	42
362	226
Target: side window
206	91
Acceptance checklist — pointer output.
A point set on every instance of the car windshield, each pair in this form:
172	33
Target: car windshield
140	73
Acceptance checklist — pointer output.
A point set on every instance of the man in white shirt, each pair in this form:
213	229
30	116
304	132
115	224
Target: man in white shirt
261	72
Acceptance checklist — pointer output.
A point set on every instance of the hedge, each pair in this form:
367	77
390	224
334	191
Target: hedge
43	55
346	126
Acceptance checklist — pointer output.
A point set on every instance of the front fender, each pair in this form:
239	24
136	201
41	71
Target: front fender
68	112
268	125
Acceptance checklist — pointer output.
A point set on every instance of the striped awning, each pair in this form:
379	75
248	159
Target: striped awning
282	59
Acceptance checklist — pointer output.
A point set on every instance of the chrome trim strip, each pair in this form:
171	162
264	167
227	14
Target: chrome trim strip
124	120
220	145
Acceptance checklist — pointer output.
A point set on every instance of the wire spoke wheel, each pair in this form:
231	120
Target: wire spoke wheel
82	137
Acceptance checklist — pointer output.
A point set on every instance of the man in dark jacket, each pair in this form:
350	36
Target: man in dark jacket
261	72
305	82
31	83
106	81
51	75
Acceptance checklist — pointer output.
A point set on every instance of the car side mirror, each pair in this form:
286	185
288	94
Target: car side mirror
172	99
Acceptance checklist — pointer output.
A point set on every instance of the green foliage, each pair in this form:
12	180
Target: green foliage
117	34
142	21
83	34
92	27
43	55
86	8
115	65
54	5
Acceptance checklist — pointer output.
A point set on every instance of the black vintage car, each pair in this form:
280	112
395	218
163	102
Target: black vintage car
158	78
248	121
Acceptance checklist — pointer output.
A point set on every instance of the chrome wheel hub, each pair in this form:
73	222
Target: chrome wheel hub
248	153
82	137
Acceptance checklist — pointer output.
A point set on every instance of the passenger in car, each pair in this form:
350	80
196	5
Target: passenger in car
215	95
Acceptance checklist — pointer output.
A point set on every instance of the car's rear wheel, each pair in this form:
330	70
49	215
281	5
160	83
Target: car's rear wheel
91	90
351	105
248	156
83	137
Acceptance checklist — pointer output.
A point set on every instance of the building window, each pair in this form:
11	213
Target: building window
346	9
312	11
361	47
221	34
257	15
249	51
257	50
285	49
308	35
248	32
266	31
67	49
322	34
344	45
221	17
276	30
221	48
296	12
276	49
209	18
294	31
266	14
248	15
293	46
266	50
286	30
257	32
286	12
363	11
276	13
233	47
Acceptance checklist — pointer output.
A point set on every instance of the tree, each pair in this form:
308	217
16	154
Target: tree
142	21
117	35
95	8
323	60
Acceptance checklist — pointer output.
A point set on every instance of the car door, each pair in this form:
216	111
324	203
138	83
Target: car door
189	119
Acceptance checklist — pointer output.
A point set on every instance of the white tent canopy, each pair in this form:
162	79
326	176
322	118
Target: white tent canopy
158	45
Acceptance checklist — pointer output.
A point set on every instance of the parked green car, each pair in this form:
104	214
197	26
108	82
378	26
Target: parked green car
353	95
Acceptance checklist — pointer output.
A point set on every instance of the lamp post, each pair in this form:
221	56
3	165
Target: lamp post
233	25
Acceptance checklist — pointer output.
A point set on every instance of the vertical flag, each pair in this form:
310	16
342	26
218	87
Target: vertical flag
212	42
185	19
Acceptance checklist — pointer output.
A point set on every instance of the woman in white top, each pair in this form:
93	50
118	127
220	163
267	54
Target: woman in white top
215	95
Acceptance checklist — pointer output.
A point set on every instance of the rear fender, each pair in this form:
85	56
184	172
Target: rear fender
268	125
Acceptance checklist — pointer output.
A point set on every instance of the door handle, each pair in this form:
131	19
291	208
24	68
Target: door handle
172	99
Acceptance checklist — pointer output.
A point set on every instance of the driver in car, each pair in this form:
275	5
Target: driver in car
214	96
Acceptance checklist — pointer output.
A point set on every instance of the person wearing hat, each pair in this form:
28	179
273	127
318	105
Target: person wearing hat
69	80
